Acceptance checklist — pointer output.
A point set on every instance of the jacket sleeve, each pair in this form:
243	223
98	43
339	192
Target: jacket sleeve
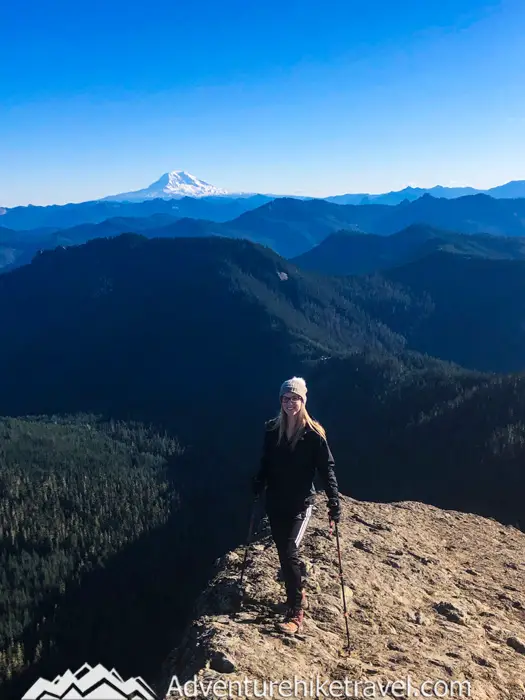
325	468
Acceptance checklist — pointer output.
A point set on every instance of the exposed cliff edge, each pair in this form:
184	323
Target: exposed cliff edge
434	595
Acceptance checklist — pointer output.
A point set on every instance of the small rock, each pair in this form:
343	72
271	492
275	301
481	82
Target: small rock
231	558
290	641
516	644
439	662
394	646
504	597
349	594
372	525
422	558
492	630
420	618
450	612
221	663
417	617
482	661
392	562
326	614
398	659
364	545
308	567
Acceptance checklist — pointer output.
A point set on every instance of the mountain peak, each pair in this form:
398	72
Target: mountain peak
181	178
172	185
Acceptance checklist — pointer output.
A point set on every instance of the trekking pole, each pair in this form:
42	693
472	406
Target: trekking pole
248	543
345	613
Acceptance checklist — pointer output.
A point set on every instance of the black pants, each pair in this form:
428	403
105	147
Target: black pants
287	532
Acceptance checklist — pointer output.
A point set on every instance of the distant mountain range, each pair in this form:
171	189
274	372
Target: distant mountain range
350	253
67	215
511	190
178	183
291	227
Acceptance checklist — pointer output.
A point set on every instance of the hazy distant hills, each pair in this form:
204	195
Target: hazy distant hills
473	214
291	227
350	253
178	183
510	190
181	194
68	215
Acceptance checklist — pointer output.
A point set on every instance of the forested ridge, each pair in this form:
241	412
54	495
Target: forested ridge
75	492
140	373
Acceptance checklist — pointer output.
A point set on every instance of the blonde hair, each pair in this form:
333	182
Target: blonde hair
304	419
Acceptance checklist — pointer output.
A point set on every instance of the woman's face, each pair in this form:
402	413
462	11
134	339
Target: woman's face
291	403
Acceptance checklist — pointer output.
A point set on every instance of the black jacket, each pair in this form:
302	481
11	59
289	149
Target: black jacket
288	475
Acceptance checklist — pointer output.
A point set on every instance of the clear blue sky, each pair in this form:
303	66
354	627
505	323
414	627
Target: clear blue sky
313	97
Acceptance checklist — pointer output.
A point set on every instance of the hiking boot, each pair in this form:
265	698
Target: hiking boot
292	623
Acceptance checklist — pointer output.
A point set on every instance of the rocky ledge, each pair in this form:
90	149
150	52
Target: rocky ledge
432	595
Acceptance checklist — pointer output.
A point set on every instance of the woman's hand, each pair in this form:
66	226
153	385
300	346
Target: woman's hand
334	510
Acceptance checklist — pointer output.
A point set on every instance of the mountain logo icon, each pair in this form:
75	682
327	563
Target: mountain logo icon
90	683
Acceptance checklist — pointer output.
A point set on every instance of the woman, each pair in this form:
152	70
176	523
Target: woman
294	450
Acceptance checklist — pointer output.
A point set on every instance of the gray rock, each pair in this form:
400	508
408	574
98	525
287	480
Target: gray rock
221	663
364	545
516	644
451	612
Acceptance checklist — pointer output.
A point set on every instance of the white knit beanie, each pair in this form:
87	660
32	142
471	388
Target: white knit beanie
297	385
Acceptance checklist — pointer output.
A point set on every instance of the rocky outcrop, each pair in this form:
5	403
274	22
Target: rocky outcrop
432	595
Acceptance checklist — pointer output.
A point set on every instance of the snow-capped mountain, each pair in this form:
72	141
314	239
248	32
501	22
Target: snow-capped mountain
172	185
